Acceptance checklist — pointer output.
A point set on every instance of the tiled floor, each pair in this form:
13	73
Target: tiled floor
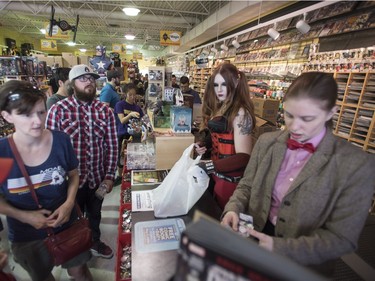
101	269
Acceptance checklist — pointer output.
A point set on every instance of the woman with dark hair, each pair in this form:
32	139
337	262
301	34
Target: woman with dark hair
308	191
127	111
52	165
228	114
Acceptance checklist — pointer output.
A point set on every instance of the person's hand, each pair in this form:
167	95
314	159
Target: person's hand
109	184
134	114
3	259
199	148
61	215
265	241
231	220
37	219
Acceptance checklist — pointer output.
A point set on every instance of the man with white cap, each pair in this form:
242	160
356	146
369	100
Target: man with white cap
92	130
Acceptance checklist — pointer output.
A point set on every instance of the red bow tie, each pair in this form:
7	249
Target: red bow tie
292	144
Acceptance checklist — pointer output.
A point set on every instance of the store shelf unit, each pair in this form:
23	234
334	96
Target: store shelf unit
123	257
355	119
156	77
198	77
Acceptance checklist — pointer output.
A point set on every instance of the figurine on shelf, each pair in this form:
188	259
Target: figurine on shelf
100	63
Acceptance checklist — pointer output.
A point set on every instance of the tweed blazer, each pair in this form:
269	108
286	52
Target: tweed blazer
324	210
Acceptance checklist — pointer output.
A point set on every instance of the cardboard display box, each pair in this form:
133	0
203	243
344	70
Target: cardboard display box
84	60
58	60
266	108
69	59
169	148
262	126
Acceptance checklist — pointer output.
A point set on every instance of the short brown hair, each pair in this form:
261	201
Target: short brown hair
19	95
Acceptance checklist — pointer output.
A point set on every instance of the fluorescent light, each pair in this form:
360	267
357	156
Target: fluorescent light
82	50
131	11
71	43
43	31
129	36
129	47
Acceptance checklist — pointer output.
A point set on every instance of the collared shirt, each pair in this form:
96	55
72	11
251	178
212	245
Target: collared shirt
92	130
292	165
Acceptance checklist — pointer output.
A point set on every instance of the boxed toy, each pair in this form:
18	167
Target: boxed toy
181	119
168	94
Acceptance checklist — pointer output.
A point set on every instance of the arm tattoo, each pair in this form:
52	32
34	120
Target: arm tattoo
245	125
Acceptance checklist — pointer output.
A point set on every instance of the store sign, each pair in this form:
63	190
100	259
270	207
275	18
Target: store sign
137	56
201	62
170	38
57	33
48	45
117	48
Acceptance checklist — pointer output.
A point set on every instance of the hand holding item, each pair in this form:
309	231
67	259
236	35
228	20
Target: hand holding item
265	241
200	148
231	220
61	215
134	114
38	218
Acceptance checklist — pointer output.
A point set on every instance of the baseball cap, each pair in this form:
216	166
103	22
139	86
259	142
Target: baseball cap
79	70
5	167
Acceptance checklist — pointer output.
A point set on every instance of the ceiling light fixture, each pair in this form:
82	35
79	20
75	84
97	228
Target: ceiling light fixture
224	47
273	33
82	50
235	43
206	52
302	25
129	47
214	50
71	44
129	36
132	12
43	31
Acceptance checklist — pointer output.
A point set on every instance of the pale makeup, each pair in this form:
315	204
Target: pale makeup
220	87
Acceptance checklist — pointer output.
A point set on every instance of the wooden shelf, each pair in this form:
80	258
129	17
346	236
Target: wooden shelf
355	119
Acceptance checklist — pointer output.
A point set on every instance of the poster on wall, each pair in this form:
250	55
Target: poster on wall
48	45
137	56
57	33
170	38
117	48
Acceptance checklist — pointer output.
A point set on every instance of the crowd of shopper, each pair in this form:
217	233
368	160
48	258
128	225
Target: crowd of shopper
307	190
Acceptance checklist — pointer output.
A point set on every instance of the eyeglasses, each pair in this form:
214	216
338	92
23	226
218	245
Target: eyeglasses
85	78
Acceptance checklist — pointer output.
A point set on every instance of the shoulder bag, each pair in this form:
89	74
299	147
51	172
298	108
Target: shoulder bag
68	243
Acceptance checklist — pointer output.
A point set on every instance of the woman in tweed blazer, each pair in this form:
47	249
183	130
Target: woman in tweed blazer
309	204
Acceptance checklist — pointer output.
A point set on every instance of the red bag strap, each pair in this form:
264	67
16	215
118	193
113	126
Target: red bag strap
21	165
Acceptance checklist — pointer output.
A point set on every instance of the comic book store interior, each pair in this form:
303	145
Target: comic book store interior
187	140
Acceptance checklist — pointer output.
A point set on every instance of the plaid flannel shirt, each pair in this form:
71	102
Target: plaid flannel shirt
92	130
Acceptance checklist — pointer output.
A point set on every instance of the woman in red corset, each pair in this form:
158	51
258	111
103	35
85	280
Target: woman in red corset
228	114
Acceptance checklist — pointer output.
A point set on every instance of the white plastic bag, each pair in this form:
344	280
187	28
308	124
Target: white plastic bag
181	188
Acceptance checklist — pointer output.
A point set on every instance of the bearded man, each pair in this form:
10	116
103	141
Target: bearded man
92	129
